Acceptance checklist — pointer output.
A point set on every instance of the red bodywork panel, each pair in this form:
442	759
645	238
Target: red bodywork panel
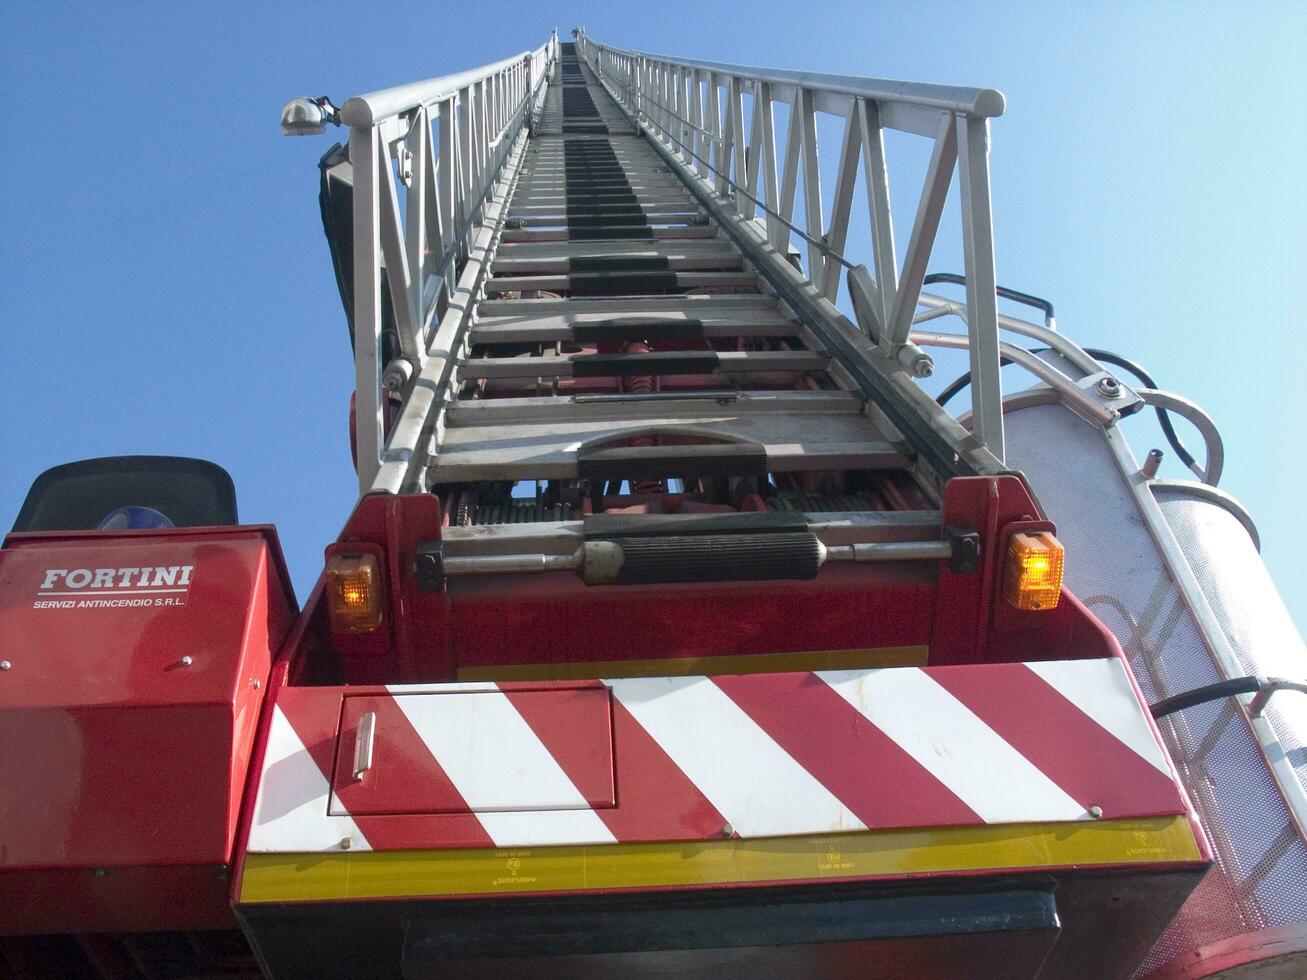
505	621
124	765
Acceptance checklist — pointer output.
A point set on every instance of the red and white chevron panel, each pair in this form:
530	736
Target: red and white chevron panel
698	758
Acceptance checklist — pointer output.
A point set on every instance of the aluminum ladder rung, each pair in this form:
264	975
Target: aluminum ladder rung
586	327
686	406
694	306
653	363
632	233
596	283
724	260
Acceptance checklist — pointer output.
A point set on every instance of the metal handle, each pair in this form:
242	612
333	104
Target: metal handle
363	744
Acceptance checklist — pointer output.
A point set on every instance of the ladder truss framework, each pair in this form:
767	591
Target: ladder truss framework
476	200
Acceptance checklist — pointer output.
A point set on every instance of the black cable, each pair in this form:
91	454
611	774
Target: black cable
1015	295
1222	689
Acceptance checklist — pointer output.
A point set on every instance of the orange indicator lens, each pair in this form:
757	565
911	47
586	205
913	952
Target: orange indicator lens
354	601
1032	574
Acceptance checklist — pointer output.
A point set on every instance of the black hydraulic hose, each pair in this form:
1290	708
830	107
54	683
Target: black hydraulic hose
1107	357
1222	689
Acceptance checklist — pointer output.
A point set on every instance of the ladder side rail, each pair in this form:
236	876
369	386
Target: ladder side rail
421	216
749	150
956	120
780	231
765	153
421	417
806	109
722	149
982	281
417	204
735	133
928	95
447	183
698	146
842	204
878	206
364	151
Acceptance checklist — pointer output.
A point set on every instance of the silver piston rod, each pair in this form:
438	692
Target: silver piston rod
610	563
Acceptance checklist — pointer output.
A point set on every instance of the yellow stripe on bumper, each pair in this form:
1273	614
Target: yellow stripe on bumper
410	874
757	663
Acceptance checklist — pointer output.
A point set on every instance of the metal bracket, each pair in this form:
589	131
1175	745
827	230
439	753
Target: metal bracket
1272	684
966	549
429	566
1110	392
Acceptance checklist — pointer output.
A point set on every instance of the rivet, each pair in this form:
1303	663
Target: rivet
1096	812
255	683
346	843
5	665
728	830
100	873
187	660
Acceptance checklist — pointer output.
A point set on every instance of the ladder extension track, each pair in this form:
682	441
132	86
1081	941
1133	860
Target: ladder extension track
622	342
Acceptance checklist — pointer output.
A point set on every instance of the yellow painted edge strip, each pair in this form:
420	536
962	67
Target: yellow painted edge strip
502	871
759	663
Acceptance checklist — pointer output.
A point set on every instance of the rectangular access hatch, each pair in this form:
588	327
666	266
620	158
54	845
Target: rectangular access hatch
474	751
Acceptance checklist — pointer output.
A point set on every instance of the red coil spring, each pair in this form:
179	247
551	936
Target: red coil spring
642	384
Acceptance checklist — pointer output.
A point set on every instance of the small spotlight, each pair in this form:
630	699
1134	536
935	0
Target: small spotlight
308	117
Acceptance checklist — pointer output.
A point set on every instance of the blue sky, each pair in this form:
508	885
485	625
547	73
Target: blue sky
164	285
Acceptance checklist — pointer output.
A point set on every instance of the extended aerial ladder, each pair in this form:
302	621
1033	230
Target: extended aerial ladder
676	627
596	211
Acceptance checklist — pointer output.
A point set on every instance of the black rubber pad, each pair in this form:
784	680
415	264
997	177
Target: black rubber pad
618	263
639	232
719	558
659	363
616	197
619	283
655	462
622	329
602	221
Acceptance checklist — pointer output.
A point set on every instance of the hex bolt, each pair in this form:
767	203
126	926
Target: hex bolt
1096	812
728	830
5	665
1109	387
255	683
346	843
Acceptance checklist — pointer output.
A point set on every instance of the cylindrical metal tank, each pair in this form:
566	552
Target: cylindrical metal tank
1173	570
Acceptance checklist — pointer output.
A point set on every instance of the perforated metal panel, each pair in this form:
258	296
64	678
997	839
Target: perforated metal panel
1245	601
1113	564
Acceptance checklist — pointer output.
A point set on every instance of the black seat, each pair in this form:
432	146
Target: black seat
77	496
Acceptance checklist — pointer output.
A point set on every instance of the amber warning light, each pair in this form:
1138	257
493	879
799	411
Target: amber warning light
1032	574
354	600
